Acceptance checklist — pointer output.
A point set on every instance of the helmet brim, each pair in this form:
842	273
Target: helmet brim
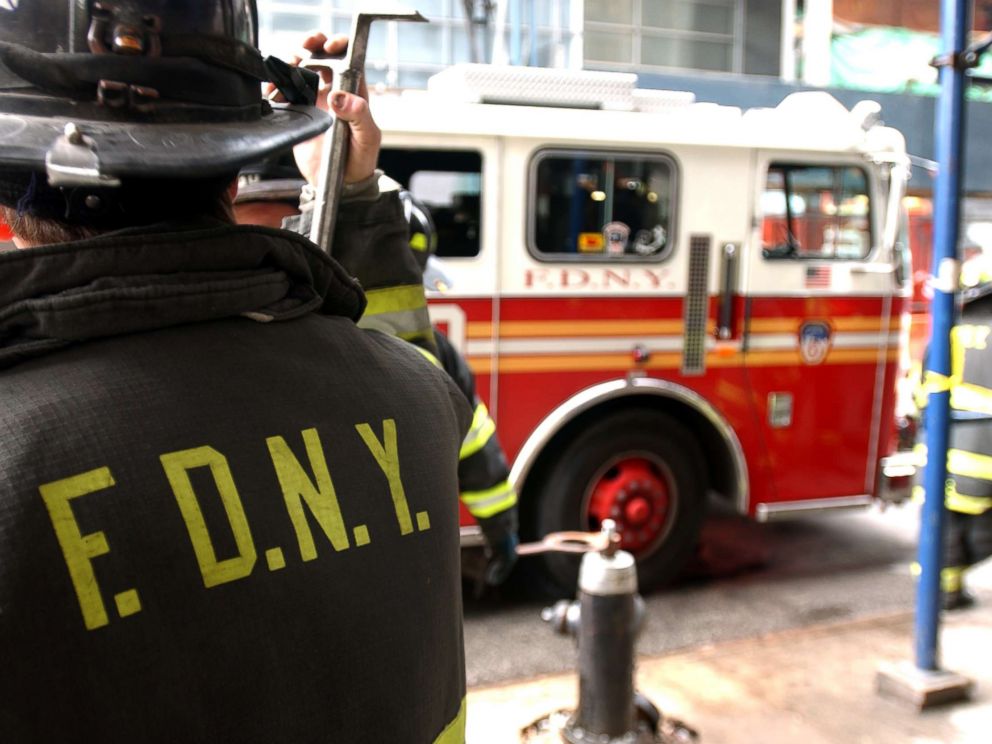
157	150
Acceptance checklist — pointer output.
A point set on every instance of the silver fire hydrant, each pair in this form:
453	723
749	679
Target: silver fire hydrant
605	620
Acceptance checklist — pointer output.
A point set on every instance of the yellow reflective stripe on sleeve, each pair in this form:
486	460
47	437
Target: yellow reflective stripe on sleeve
407	325
483	504
395	299
973	398
952	579
482	430
957	356
969	464
428	356
454	732
963	503
934	382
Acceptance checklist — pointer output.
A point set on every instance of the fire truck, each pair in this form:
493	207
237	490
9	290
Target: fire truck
665	301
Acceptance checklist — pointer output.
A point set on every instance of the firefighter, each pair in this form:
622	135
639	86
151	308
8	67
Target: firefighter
228	514
483	474
268	194
968	494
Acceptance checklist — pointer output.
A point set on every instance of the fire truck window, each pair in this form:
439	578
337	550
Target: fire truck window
597	206
449	182
815	211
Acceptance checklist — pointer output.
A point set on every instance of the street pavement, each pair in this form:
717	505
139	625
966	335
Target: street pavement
813	685
751	579
780	646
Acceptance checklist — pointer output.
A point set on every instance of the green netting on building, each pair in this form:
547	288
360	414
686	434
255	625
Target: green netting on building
894	60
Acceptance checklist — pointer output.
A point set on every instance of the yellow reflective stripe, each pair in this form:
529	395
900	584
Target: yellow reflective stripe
418	241
957	356
919	494
483	504
963	503
454	732
407	324
969	464
952	579
430	357
957	502
974	398
483	428
934	382
395	299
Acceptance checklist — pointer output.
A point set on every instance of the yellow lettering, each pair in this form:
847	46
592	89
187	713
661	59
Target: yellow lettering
79	549
275	559
319	493
362	536
386	454
177	466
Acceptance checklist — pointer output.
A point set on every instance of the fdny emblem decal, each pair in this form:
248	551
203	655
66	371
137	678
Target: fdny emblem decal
616	235
814	341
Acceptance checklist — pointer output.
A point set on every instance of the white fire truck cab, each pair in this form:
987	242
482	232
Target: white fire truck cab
661	299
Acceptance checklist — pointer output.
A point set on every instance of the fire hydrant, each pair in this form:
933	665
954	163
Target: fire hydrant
605	621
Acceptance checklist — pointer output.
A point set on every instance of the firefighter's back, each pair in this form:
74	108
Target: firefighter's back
230	531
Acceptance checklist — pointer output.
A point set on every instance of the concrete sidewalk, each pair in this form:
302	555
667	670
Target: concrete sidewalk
807	686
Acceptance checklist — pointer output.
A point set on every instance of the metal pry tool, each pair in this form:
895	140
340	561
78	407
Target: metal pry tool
348	71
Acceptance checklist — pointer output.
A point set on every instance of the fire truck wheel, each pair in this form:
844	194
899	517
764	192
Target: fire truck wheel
643	470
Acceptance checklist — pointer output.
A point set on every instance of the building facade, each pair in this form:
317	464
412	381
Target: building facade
716	36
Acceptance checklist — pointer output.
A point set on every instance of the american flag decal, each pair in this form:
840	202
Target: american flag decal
818	277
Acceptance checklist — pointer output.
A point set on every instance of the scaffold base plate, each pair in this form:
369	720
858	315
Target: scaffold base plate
921	687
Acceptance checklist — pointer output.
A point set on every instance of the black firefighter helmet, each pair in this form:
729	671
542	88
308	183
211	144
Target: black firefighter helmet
276	178
424	241
423	233
96	92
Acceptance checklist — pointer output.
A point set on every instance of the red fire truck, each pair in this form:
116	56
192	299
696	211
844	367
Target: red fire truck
665	300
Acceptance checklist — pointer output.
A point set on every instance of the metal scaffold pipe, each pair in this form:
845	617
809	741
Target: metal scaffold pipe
923	682
955	23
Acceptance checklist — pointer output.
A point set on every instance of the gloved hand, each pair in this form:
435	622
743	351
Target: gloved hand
502	557
500	531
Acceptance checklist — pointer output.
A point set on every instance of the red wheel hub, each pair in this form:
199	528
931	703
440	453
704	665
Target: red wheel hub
635	494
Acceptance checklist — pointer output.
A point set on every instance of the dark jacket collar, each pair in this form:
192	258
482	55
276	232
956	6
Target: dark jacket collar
136	280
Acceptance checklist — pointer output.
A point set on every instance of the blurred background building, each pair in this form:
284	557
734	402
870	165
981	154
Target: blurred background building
743	53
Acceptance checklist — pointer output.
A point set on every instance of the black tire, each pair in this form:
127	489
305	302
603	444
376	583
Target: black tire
671	450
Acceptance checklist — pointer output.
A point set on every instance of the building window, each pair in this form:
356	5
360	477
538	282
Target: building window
407	54
681	34
815	211
449	184
601	206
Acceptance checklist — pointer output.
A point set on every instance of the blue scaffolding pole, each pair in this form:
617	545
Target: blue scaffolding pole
922	681
955	22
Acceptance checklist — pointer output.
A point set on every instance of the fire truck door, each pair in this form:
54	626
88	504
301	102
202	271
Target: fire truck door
458	183
818	329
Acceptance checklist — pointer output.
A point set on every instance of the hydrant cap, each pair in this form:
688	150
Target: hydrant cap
608	575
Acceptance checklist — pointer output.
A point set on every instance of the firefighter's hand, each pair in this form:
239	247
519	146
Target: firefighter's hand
363	152
502	557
